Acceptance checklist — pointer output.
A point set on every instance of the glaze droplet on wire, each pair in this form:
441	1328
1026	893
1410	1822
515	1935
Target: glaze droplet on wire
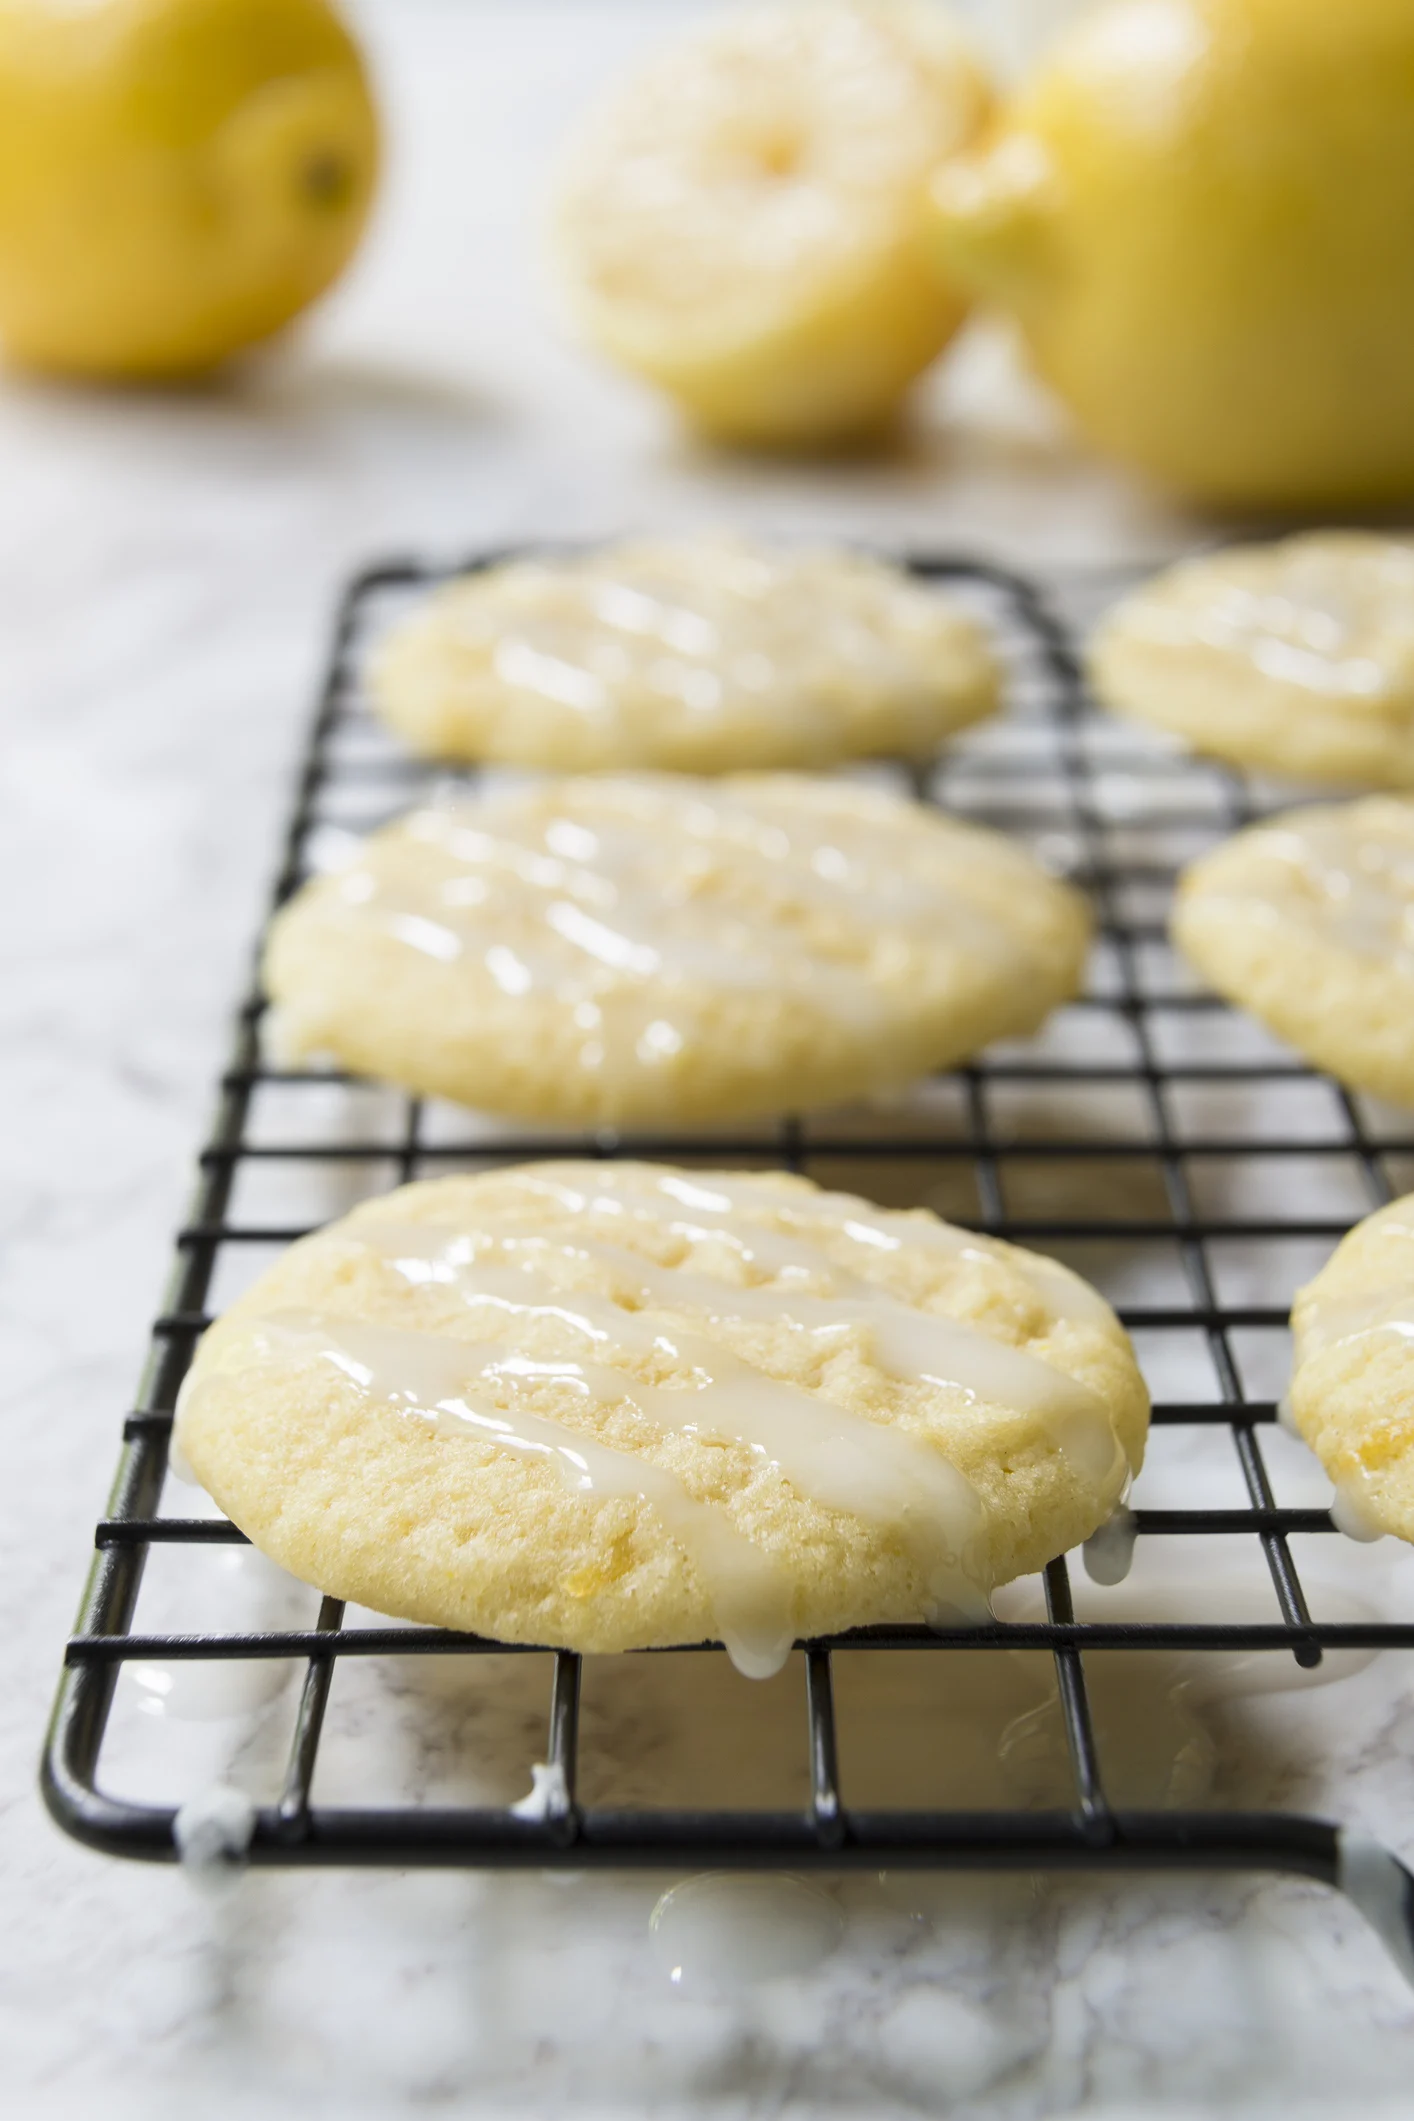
1109	1551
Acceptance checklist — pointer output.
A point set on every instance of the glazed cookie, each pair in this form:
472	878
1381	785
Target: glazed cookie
1308	921
1296	657
609	1407
661	950
699	654
1352	1382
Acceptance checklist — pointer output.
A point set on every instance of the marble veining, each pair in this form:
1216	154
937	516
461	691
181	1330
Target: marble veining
166	570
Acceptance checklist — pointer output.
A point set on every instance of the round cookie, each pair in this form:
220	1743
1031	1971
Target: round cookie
700	654
658	950
1308	922
1352	1381
1296	657
619	1406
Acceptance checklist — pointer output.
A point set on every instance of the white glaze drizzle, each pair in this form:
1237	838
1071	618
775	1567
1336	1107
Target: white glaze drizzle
1327	615
873	1470
431	1376
720	1205
1336	1321
1346	870
914	1346
841	1460
705	632
577	905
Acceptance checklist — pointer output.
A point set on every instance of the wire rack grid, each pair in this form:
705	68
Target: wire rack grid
998	1145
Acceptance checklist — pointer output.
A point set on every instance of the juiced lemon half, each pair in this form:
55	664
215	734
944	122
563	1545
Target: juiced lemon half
745	224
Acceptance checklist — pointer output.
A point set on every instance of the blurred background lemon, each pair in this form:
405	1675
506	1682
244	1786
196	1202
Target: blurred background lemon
178	178
1199	213
745	224
1202	214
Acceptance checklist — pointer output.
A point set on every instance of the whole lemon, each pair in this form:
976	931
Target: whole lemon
1202	214
177	177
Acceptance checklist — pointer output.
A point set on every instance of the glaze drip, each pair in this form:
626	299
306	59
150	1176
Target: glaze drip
435	1377
542	1365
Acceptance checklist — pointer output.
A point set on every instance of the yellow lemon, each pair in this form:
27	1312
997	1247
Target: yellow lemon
177	177
747	224
1202	214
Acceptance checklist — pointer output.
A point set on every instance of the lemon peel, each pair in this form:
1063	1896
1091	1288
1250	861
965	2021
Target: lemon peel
178	178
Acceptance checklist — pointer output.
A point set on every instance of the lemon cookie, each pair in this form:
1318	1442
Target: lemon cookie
610	1407
745	223
1308	922
701	654
652	949
1296	657
1352	1383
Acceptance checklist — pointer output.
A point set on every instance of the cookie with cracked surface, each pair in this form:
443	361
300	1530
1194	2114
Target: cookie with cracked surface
1296	657
1352	1380
617	1406
651	949
1307	920
701	655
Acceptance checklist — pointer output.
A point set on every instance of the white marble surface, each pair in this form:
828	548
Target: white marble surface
166	569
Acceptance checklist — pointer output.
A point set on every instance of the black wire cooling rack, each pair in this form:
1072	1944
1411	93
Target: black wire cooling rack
1118	811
